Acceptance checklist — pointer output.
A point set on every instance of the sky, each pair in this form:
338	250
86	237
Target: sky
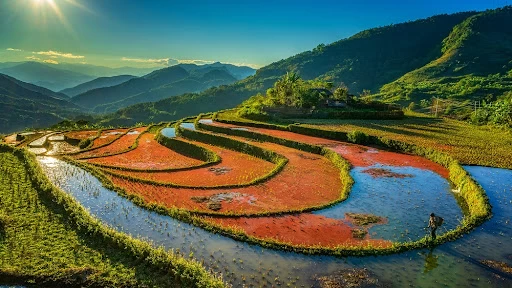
158	33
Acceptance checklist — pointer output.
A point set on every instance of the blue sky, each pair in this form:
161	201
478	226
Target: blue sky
156	33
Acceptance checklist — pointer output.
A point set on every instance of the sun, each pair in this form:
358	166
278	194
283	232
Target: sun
43	1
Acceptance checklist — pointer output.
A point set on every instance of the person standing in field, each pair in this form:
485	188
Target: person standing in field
433	224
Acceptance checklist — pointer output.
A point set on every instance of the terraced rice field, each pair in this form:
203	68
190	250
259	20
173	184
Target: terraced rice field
302	206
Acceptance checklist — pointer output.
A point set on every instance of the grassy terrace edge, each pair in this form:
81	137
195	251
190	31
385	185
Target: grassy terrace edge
188	273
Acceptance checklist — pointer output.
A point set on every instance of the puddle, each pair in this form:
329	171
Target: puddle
240	128
37	151
206	121
188	125
453	264
134	132
169	132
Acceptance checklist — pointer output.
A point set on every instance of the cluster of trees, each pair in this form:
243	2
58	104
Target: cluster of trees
495	113
290	90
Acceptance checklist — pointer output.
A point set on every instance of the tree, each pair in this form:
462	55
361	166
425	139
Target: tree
341	93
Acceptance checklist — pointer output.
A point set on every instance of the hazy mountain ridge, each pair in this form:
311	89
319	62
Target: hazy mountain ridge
46	76
100	82
157	85
27	108
190	84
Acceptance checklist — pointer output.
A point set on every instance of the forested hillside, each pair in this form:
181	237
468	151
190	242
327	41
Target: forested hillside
367	60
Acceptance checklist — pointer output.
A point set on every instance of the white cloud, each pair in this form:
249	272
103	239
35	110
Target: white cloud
14	49
197	62
163	61
50	61
59	54
34	58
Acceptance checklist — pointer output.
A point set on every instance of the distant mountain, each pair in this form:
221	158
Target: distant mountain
239	72
155	79
46	76
39	89
97	83
25	106
102	71
163	83
211	78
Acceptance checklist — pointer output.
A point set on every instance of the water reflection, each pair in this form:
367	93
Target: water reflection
451	265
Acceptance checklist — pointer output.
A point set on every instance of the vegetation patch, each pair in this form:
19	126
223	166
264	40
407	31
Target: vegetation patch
361	219
498	265
350	278
359	233
381	172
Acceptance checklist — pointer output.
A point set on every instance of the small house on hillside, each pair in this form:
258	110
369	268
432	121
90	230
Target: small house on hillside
334	103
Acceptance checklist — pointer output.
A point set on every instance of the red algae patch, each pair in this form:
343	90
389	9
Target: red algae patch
236	168
81	135
302	230
298	186
381	172
148	155
108	136
361	156
120	145
357	155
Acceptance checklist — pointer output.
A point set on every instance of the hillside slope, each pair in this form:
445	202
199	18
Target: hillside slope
366	60
46	76
24	108
476	63
97	83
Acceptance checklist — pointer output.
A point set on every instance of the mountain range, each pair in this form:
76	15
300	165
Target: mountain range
159	84
466	55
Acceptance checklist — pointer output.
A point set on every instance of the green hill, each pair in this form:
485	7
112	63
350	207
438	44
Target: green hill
476	63
390	61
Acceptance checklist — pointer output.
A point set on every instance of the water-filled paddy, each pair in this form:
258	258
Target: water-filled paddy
453	264
406	202
169	132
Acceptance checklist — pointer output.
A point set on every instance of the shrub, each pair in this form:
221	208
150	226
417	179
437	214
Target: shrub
358	137
85	143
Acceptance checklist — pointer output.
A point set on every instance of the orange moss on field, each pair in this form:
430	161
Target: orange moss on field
307	180
117	146
148	155
235	168
81	135
357	155
108	136
302	229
